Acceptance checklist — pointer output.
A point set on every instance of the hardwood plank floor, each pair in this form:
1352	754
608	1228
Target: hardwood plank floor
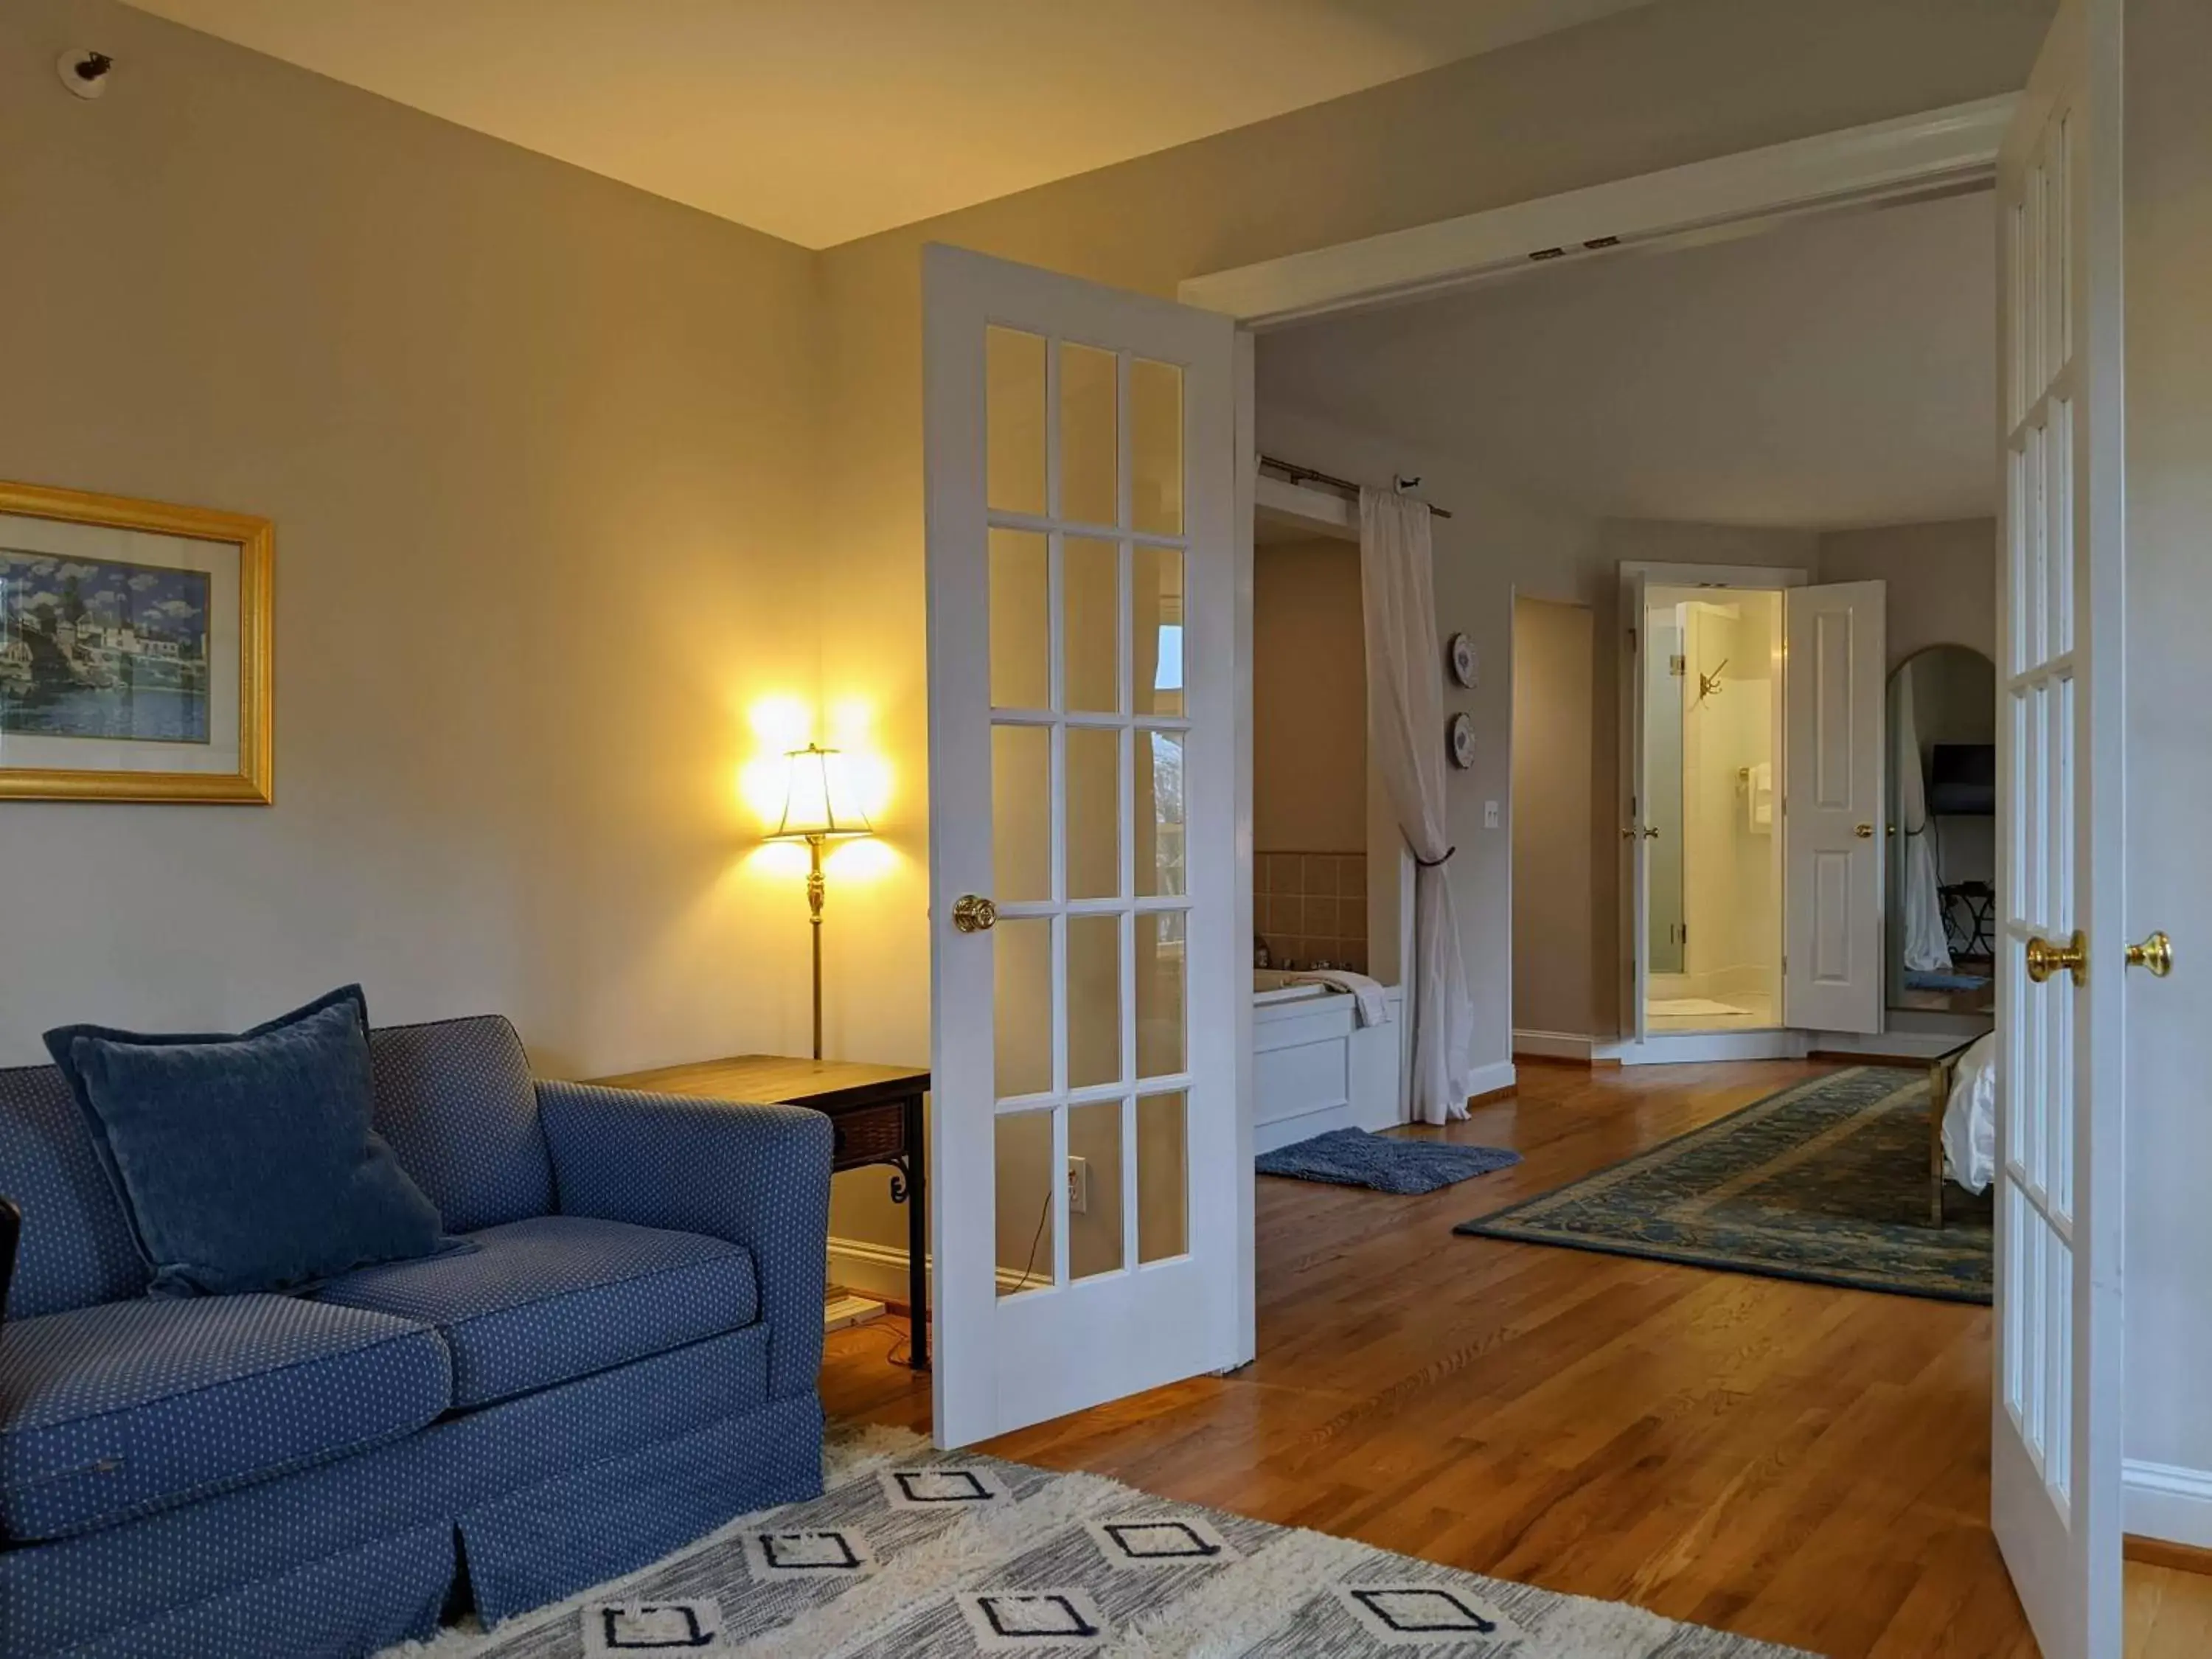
1795	1463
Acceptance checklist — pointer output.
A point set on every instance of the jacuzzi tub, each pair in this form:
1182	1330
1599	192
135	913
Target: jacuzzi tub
1273	984
1314	1066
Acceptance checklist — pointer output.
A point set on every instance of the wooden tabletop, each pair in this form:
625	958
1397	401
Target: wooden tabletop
775	1080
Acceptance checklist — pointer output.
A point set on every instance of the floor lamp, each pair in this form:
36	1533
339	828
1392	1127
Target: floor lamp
817	808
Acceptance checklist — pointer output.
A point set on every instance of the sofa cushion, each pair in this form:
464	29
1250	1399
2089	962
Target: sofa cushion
247	1163
455	1100
132	1406
556	1297
77	1247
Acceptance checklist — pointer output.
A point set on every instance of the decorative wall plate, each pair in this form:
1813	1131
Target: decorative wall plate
1460	734
1465	666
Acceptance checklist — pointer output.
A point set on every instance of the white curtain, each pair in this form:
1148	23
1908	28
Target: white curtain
1926	949
1405	724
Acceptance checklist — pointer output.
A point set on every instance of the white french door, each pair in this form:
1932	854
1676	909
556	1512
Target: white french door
1832	807
1084	846
2056	1451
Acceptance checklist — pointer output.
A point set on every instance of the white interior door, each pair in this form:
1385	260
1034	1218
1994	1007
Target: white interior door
2056	1451
1832	807
1084	855
1635	867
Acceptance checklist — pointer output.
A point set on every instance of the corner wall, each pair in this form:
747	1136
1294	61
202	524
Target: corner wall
540	452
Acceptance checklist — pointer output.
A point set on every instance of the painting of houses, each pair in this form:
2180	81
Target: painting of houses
99	648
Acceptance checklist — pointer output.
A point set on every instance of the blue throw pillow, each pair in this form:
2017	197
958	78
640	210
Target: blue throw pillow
247	1163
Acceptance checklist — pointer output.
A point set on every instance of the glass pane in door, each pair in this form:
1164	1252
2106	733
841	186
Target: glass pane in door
1013	420
1091	580
1155	446
1156	618
1094	1000
1021	1006
1157	810
1021	621
1094	1189
1026	1190
1094	812
1021	813
1090	435
1160	994
1162	1178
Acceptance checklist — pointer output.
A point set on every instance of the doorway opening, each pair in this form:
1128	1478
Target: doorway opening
1708	801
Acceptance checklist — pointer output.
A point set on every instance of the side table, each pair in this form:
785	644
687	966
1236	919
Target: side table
876	1111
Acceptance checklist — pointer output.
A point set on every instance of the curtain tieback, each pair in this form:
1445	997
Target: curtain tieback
1430	864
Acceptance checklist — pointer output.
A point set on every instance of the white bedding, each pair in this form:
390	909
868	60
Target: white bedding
1970	1117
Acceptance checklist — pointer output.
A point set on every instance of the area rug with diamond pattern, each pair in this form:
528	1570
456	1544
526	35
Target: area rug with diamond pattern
915	1554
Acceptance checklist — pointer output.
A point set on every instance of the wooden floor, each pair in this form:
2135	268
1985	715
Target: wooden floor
1789	1461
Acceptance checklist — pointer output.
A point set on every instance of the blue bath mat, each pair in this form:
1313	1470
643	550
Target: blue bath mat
1915	980
1354	1157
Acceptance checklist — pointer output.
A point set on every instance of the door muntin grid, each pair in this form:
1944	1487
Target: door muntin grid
1087	632
2039	727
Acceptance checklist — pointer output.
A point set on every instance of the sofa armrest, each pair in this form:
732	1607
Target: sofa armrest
758	1176
11	1230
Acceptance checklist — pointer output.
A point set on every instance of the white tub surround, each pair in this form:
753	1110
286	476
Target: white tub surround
1315	1067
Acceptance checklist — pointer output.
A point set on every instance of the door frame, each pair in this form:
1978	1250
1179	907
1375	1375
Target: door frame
1635	1045
1952	149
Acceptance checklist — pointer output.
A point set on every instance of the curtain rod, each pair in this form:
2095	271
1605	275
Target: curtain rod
1307	475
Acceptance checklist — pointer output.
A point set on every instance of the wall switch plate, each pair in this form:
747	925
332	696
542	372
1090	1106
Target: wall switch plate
1079	1185
1490	815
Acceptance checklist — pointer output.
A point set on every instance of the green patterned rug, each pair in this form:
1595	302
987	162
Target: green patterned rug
1826	1181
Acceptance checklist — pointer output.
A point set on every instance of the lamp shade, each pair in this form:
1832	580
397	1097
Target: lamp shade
817	799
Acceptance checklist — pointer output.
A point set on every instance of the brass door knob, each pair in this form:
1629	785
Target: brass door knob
974	913
2044	958
2155	953
1864	832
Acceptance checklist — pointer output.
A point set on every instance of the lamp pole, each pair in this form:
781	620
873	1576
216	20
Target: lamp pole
814	893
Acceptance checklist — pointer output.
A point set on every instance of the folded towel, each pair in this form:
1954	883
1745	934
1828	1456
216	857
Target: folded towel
1368	1005
1760	793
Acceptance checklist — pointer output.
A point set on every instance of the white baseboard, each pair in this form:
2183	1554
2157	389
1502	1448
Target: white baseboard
879	1270
1489	1079
1555	1045
2168	1502
1676	1049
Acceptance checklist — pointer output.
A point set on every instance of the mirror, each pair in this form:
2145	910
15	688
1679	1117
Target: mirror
1942	864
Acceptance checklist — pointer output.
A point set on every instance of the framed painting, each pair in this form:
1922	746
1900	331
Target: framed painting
135	644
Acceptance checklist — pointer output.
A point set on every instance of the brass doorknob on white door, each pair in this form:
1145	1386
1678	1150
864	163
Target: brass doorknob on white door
2155	953
2044	958
974	913
1864	832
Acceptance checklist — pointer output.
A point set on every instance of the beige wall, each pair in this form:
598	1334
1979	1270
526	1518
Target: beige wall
1942	581
2169	728
1552	972
540	452
1308	699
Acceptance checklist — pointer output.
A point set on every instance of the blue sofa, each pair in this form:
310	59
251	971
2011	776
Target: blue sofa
626	1360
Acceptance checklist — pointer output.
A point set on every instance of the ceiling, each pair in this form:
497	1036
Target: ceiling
1839	371
823	120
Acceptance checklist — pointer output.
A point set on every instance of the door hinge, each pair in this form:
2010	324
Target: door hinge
1679	667
1632	640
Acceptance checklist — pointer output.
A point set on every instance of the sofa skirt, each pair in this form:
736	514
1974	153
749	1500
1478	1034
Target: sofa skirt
535	1499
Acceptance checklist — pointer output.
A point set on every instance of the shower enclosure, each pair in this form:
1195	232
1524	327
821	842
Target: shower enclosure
1705	815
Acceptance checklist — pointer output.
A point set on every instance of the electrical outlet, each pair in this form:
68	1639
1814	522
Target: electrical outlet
1490	815
1079	1185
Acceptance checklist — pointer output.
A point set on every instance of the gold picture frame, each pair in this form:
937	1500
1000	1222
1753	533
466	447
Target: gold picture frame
59	696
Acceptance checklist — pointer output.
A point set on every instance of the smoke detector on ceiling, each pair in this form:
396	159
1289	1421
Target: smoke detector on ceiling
84	73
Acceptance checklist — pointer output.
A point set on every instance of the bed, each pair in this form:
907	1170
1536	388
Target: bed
1963	1121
